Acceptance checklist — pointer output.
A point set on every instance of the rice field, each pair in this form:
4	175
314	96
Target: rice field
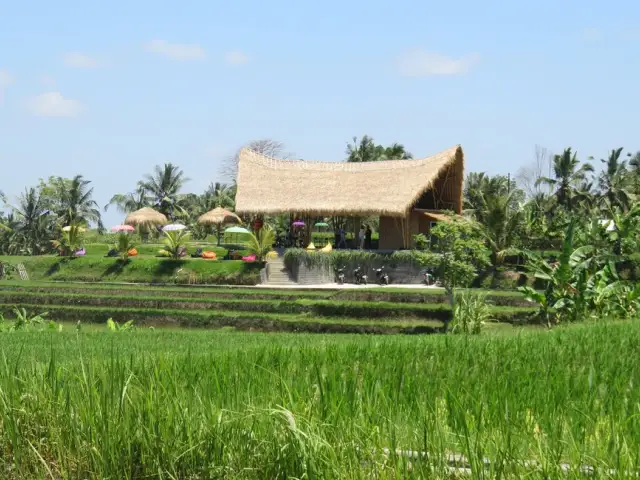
385	310
196	404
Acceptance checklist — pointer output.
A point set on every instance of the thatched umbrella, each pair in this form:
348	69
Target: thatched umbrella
219	216
145	216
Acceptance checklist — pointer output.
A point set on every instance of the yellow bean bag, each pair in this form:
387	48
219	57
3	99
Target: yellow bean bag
132	252
311	246
209	255
327	248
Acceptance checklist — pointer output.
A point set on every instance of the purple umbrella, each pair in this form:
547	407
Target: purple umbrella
298	223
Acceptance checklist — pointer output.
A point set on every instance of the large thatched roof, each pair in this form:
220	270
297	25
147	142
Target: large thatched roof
270	186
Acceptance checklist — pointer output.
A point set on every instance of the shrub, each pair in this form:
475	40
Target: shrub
471	312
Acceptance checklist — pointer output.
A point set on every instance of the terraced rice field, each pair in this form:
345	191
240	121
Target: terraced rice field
201	404
386	310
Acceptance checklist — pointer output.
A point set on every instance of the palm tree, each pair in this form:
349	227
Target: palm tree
365	151
130	202
222	195
35	224
396	152
501	224
613	182
480	187
634	169
163	187
568	174
73	202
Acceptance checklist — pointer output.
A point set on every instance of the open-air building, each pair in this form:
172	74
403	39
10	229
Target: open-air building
407	195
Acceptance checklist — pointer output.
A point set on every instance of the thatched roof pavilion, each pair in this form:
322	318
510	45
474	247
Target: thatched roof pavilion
393	189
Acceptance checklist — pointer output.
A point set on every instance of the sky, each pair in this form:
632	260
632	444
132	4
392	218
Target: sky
110	90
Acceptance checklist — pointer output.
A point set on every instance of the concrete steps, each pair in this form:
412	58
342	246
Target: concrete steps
277	273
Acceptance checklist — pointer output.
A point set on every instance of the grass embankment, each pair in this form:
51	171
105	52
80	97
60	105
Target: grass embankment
315	311
167	404
141	270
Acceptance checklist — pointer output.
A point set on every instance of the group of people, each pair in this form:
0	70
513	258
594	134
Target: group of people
364	238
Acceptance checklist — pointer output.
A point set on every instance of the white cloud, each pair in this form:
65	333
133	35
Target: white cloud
419	63
53	104
236	58
81	60
176	50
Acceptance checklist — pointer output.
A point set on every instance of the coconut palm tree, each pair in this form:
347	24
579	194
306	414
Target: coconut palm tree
367	151
34	222
74	203
364	151
164	186
501	225
613	182
130	202
634	170
568	173
221	195
397	152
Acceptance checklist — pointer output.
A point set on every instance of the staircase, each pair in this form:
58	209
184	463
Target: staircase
277	273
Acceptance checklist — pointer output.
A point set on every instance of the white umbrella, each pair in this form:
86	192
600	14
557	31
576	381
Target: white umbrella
172	227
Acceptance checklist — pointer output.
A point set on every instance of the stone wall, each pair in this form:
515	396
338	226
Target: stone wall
317	275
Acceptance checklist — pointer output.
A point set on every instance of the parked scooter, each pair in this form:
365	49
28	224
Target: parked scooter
381	276
429	279
360	276
340	275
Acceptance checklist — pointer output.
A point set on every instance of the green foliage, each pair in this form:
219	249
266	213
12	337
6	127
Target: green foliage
367	151
125	242
23	321
71	240
471	312
421	241
142	270
261	244
549	397
114	326
175	243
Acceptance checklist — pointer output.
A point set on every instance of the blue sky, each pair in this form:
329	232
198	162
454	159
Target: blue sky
111	90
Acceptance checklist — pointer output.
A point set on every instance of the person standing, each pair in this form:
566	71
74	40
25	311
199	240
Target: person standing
342	243
361	236
367	238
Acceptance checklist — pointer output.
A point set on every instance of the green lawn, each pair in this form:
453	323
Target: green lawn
219	404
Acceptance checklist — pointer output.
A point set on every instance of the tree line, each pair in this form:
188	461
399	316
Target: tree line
530	210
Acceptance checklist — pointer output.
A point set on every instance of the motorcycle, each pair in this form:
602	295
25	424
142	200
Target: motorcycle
340	275
382	276
360	276
429	279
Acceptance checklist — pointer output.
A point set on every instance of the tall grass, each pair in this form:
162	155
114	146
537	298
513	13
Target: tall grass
166	404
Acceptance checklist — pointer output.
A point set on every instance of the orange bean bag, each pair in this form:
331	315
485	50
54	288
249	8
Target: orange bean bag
132	252
209	255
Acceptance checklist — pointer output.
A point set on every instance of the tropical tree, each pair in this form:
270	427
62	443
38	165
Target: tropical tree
71	239
501	226
129	202
366	150
34	224
459	254
163	186
262	243
73	202
221	195
613	182
175	243
568	174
